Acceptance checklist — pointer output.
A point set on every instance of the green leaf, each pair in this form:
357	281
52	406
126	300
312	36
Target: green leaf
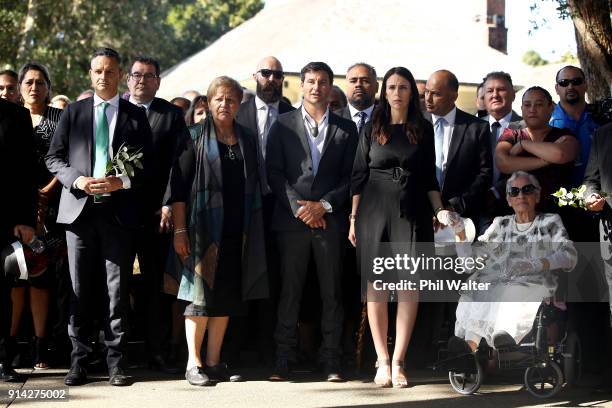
129	170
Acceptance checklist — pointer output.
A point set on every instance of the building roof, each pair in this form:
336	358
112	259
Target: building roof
423	36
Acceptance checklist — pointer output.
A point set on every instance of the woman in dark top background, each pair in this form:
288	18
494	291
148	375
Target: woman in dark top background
540	149
395	192
35	88
218	233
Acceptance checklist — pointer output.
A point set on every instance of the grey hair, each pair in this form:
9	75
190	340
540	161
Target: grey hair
532	179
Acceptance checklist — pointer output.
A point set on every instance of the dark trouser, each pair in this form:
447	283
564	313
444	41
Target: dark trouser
100	254
152	250
6	311
295	249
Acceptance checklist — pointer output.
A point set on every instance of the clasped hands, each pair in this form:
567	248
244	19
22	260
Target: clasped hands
595	202
311	213
102	185
448	218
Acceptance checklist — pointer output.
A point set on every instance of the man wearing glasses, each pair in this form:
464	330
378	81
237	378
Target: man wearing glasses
167	126
258	115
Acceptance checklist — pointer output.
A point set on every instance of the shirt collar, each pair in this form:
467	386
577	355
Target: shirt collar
114	101
504	122
259	104
449	117
147	105
354	111
306	116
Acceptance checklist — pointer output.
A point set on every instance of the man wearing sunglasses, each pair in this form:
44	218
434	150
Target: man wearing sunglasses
571	113
258	114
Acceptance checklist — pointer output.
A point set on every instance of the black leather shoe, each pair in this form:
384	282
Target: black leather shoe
7	374
76	376
221	372
197	376
158	363
117	377
281	370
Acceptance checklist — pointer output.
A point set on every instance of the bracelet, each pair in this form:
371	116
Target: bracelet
437	210
180	230
352	217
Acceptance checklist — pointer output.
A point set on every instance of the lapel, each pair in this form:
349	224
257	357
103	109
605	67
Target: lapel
457	137
122	118
301	132
89	132
332	128
245	157
252	118
153	115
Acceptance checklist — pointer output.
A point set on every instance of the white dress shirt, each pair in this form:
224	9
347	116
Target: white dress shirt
504	122
448	126
316	143
353	111
262	118
146	105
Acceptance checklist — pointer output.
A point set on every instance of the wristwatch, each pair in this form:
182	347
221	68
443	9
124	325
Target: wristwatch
326	206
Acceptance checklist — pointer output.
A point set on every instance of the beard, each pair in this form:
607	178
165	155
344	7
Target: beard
361	103
270	92
572	99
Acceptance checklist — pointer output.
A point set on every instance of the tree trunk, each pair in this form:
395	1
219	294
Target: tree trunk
26	32
593	30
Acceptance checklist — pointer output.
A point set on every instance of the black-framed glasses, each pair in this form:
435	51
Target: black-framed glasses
574	81
267	72
526	190
137	76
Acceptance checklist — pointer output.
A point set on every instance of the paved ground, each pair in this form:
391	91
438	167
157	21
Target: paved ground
153	390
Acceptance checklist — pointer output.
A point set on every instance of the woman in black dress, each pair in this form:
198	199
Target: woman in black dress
218	234
395	193
35	87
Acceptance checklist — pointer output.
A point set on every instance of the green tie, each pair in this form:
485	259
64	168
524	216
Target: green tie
101	157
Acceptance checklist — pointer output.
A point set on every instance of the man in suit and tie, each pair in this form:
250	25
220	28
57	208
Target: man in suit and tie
309	158
102	213
18	161
168	127
361	89
598	178
258	114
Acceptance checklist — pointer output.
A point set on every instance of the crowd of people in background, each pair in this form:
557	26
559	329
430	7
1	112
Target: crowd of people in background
250	217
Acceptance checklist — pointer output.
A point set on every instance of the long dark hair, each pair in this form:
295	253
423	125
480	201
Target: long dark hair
381	119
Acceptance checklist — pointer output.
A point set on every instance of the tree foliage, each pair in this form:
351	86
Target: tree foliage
61	34
534	59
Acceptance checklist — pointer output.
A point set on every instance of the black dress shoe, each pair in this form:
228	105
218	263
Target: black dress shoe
281	370
7	374
76	376
117	377
221	372
158	363
197	376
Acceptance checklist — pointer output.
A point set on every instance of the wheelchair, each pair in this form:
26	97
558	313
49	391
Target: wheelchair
547	365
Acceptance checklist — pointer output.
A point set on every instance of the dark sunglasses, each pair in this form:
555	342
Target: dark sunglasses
526	190
267	72
574	81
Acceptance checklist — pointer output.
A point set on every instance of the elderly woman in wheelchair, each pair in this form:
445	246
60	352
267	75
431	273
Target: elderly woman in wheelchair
517	319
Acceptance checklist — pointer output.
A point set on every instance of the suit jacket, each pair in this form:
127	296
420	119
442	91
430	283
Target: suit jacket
247	117
18	165
71	156
168	129
290	171
598	175
469	170
516	120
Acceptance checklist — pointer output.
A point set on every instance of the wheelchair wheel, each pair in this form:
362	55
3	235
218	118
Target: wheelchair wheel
572	359
544	380
467	383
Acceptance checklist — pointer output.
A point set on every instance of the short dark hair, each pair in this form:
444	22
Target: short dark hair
370	68
143	59
106	52
34	66
546	94
501	75
11	73
480	85
317	66
572	67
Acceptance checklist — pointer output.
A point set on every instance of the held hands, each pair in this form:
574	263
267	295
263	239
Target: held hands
448	218
595	202
311	213
25	233
101	185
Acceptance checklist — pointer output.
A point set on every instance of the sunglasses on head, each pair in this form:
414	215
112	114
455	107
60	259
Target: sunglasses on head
574	81
526	190
267	72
